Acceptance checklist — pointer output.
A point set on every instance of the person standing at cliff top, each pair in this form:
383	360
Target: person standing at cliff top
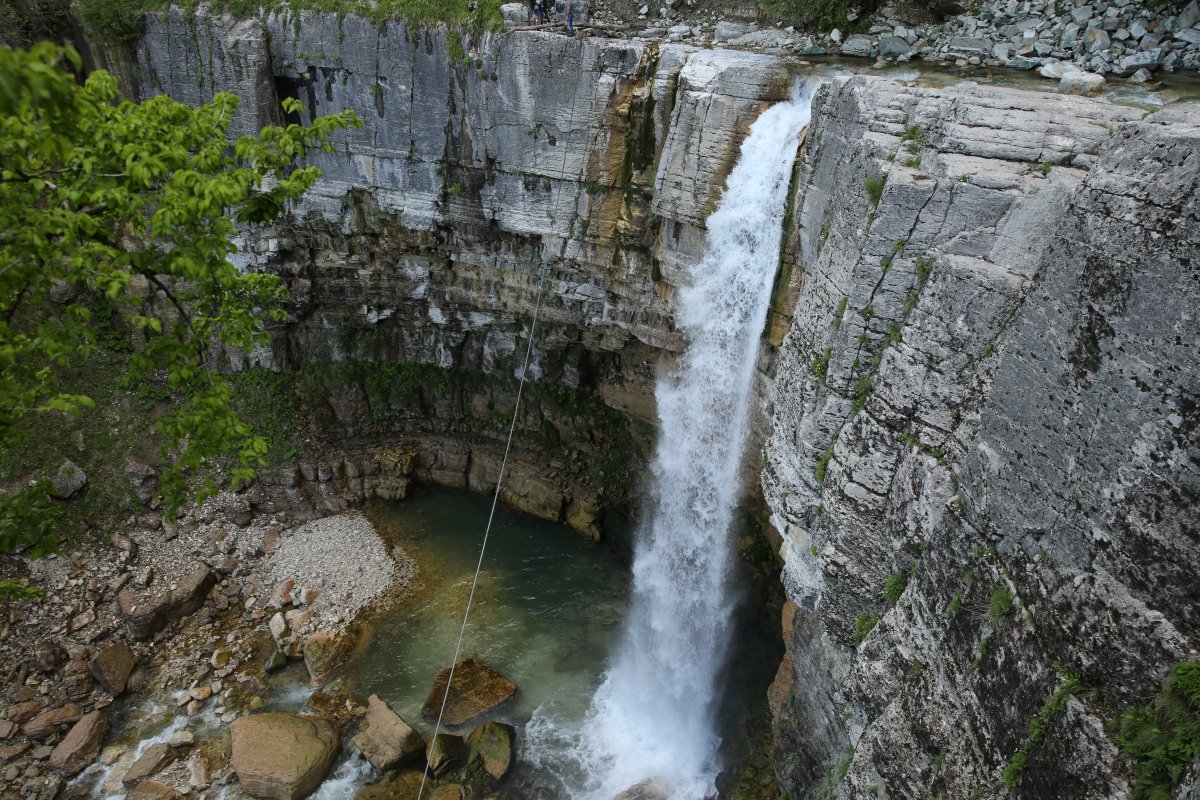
570	18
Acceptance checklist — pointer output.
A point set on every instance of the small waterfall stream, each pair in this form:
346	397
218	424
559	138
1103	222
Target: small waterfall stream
653	717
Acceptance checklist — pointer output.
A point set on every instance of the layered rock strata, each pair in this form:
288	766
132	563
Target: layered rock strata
491	177
982	459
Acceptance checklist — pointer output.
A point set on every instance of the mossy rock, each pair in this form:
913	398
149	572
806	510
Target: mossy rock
491	746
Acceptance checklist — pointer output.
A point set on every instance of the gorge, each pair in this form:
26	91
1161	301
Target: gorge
971	433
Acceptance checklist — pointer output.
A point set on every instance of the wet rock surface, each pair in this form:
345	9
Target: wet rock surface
475	690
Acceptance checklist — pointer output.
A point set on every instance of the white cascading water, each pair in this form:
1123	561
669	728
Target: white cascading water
653	717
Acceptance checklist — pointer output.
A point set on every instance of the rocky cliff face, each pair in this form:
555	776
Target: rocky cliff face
978	389
983	453
483	165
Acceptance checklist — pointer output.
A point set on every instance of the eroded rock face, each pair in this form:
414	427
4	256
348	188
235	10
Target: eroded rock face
980	409
282	756
426	238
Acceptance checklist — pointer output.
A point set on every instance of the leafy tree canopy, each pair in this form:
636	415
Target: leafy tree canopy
129	208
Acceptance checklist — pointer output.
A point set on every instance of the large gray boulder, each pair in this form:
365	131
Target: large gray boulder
68	481
282	756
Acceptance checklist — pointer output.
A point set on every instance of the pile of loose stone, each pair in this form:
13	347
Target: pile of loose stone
1114	38
167	626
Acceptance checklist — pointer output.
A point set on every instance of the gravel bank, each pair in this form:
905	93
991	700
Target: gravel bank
344	558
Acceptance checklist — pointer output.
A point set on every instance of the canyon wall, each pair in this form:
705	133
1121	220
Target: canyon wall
983	456
483	164
978	379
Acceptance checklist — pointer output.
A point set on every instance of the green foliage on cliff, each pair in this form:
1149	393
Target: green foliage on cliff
114	21
1163	739
123	212
23	22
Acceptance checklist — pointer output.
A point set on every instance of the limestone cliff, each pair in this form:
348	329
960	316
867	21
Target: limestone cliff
482	164
978	380
983	453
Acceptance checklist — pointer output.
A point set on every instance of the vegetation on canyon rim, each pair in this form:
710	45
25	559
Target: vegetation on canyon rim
122	213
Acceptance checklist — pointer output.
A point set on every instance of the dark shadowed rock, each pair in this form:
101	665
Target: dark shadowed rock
81	745
147	613
476	690
385	739
144	480
445	753
282	756
111	667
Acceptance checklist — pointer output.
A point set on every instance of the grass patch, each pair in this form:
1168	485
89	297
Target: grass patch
874	187
820	364
1001	604
1163	739
894	586
863	626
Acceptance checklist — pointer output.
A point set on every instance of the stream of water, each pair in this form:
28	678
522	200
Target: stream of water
654	716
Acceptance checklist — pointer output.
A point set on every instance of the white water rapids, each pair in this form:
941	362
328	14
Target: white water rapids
653	717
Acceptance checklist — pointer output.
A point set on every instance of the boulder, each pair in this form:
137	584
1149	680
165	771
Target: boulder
326	653
144	481
155	758
858	45
726	31
1084	83
282	756
445	752
649	789
1054	70
68	481
492	745
7	728
146	614
81	745
152	790
112	666
51	720
893	47
385	739
476	690
26	710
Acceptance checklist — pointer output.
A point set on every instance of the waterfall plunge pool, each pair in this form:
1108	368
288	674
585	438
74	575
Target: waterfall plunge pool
547	611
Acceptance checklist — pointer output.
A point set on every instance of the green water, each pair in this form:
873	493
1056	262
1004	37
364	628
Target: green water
547	609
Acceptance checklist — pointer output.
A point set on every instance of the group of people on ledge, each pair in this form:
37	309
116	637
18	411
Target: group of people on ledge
563	10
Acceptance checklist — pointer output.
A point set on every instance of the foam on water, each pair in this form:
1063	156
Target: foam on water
653	717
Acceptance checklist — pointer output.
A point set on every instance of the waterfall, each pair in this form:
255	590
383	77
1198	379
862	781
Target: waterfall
653	717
